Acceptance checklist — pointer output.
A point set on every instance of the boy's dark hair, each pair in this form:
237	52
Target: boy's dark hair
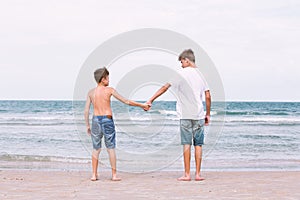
188	53
100	73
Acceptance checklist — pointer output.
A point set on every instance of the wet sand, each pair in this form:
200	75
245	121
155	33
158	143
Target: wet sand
35	184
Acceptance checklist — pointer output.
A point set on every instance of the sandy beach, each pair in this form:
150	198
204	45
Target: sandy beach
34	184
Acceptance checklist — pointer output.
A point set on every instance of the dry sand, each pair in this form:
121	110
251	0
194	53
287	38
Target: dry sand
34	184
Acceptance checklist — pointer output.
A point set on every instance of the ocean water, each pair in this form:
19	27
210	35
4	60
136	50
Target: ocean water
242	136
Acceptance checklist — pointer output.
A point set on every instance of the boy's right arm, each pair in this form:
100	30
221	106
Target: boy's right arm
87	113
159	92
129	102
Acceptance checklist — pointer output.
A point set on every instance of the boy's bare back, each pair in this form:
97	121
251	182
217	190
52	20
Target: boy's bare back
100	98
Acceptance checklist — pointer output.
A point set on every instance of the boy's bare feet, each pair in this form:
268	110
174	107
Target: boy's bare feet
199	178
115	178
184	178
94	178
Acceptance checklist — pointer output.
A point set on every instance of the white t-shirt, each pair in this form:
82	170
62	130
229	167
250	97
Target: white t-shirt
189	85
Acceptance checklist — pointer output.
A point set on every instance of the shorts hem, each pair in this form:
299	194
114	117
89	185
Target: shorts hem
110	147
198	145
186	144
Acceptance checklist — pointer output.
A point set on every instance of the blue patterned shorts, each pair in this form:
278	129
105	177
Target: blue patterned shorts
192	131
103	126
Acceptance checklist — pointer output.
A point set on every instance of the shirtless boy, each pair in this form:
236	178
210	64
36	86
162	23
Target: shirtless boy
102	121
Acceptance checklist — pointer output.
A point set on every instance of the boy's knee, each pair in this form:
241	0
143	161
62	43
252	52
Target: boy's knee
96	151
110	150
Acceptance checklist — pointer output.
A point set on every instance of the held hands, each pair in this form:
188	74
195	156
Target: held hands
146	106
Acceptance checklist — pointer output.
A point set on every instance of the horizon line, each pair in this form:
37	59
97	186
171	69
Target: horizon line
230	100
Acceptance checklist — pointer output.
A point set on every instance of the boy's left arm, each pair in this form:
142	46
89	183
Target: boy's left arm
208	104
87	113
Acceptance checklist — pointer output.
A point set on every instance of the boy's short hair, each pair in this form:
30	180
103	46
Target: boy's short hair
188	53
100	73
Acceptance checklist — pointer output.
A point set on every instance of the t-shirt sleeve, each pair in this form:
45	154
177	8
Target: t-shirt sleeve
206	88
174	79
204	82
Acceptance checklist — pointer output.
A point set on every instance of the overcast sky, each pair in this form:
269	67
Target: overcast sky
255	44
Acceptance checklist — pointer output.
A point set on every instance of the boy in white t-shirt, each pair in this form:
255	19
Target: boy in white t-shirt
189	86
